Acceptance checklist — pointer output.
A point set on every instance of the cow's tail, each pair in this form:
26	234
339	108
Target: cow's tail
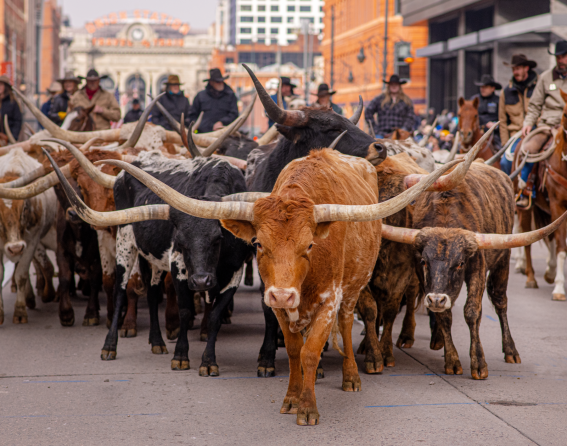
335	333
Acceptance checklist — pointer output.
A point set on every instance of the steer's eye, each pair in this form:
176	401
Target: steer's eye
256	243
460	265
310	247
422	262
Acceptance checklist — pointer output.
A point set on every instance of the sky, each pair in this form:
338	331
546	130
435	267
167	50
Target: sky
198	13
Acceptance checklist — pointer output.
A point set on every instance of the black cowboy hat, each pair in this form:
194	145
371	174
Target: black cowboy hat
488	80
520	60
395	79
323	90
560	48
215	75
69	76
92	75
287	81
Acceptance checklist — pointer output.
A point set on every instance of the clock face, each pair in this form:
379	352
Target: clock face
137	34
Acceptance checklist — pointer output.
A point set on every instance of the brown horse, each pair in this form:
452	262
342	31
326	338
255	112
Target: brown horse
469	128
80	120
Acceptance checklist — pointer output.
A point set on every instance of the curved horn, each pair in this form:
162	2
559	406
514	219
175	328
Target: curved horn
371	129
25	145
507	241
236	162
514	174
358	112
497	156
135	135
25	179
172	122
248	197
291	118
132	215
220	140
280	97
400	235
241	119
190	146
425	138
451	180
337	139
454	148
269	136
97	176
35	188
338	212
11	138
202	209
199	120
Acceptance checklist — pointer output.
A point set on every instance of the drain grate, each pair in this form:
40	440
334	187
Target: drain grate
510	403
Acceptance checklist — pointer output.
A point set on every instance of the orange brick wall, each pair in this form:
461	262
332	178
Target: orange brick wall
49	46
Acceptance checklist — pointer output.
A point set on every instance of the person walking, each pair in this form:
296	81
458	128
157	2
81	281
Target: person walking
60	105
324	98
106	108
174	101
135	112
217	101
9	108
513	106
54	89
488	105
394	109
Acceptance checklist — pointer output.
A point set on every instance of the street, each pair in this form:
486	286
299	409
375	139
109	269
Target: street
55	390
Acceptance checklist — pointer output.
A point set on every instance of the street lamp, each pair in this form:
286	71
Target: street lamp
350	77
361	56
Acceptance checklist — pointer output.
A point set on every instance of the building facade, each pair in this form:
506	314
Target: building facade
266	22
138	50
469	38
353	51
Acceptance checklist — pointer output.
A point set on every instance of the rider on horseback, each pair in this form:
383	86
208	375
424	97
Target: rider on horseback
545	110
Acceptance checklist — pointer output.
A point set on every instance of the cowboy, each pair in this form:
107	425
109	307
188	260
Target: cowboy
60	104
54	89
488	105
135	112
9	108
324	98
175	102
514	106
394	109
217	101
287	92
545	109
105	109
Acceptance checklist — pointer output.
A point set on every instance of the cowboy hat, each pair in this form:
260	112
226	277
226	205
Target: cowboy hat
395	79
6	80
215	75
560	48
323	90
488	80
69	76
55	87
173	79
520	60
92	75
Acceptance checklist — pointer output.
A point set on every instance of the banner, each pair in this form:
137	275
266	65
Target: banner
7	69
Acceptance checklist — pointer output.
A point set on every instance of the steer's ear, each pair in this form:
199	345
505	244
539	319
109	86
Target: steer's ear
240	228
322	229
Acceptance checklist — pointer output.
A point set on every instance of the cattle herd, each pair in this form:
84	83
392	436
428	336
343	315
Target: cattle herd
339	223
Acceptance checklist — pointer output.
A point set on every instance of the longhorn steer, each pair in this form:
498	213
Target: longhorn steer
459	237
26	230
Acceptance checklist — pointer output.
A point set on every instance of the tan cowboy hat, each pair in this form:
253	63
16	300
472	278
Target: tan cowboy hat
173	79
55	87
69	76
6	80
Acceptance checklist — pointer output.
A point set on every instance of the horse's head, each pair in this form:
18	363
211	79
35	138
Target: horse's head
79	120
468	119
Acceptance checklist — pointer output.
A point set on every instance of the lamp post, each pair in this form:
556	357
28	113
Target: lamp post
332	47
385	61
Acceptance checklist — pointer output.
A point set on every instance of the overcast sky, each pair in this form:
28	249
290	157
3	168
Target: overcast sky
198	13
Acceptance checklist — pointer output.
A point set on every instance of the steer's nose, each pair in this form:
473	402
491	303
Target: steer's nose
437	302
281	297
15	249
72	216
201	282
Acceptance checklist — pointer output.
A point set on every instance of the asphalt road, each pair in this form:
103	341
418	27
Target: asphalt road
55	390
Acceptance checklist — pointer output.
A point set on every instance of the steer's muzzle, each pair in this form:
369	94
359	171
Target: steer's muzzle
281	297
437	302
15	248
201	282
377	153
72	216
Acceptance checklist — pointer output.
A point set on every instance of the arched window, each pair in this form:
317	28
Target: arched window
136	89
107	83
161	83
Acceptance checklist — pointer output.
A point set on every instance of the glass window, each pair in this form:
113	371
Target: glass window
245	41
291	31
290	41
274	30
261	40
397	7
290	20
274	41
274	8
245	30
246	19
311	19
403	51
291	9
246	7
261	19
305	8
261	30
229	60
276	19
261	8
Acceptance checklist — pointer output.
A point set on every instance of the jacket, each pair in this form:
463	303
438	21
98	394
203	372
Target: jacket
487	108
45	108
11	109
217	105
175	104
133	115
546	105
513	105
391	116
275	99
58	109
105	99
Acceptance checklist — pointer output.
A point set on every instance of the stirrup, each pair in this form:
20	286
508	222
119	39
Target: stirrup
528	197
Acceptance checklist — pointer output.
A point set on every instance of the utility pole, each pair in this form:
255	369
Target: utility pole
305	28
385	61
332	81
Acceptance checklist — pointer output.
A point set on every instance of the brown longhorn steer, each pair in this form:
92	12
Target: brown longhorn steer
460	236
469	128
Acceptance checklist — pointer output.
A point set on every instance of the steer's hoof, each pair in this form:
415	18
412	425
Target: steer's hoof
549	277
172	334
531	284
405	342
67	321
390	361
204	337
437	343
91	321
211	370
480	373
128	333
513	359
159	350
373	367
352	384
266	372
108	355
307	416
179	364
290	405
559	297
20	320
320	373
454	369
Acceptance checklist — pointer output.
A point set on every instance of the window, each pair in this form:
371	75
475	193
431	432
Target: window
311	19
274	30
229	60
402	52
261	30
274	8
397	7
276	19
320	19
246	7
290	20
245	41
261	19
290	41
274	41
245	30
246	19
321	8
291	9
261	8
305	9
261	40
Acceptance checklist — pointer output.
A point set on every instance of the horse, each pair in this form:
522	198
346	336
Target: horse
79	120
470	131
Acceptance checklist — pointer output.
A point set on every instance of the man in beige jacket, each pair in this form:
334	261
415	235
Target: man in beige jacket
106	108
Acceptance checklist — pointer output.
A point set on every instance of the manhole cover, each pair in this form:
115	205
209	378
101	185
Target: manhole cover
510	403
